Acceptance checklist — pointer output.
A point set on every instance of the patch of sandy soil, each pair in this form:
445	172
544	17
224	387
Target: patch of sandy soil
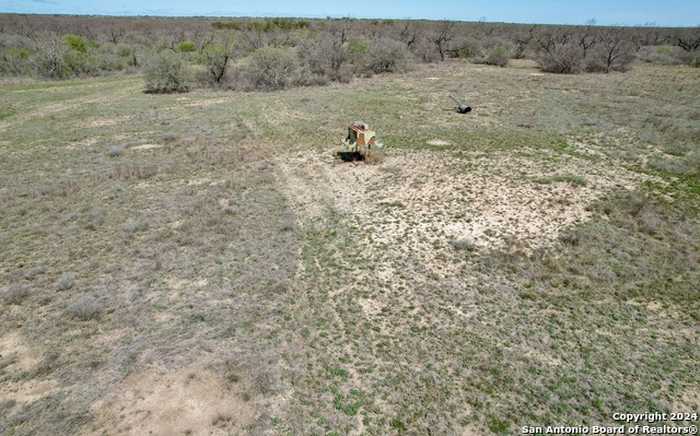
189	401
21	358
207	102
179	284
438	142
415	203
12	346
82	144
688	401
146	146
54	108
199	181
103	122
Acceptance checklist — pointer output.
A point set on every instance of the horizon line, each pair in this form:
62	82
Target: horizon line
214	15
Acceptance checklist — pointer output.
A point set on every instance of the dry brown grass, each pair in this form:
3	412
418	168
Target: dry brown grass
467	283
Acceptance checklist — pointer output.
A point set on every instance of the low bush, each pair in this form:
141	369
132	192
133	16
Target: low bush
691	58
66	281
609	55
186	47
85	309
424	50
76	43
165	73
388	56
327	58
50	60
498	56
15	61
661	55
128	54
14	294
561	58
272	68
467	48
116	150
80	63
216	60
687	166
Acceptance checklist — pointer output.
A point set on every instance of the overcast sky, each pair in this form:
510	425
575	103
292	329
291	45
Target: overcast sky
624	12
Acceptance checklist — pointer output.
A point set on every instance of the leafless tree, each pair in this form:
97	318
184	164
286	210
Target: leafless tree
617	52
586	40
689	42
558	53
217	59
202	40
522	41
442	36
409	34
116	34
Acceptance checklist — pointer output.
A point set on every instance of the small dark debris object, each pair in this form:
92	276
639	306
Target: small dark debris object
461	107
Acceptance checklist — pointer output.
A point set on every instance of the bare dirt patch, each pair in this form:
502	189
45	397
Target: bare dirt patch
418	202
103	122
18	358
12	347
438	142
207	102
190	401
146	147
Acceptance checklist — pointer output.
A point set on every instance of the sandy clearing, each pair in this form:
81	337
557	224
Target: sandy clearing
12	346
191	401
437	142
207	102
415	203
103	122
22	359
146	147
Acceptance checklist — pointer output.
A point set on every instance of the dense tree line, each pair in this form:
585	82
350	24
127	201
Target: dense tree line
280	52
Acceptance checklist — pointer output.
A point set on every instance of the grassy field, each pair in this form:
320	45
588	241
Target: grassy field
200	263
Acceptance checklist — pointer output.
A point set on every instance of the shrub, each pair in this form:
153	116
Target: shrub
463	244
498	56
186	47
106	57
76	43
50	61
85	309
116	150
66	281
688	165
662	55
79	63
14	294
15	55
691	58
668	55
127	53
272	68
610	54
425	50
135	226
326	58
165	73
467	48
388	56
358	47
216	60
307	77
561	58
15	61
